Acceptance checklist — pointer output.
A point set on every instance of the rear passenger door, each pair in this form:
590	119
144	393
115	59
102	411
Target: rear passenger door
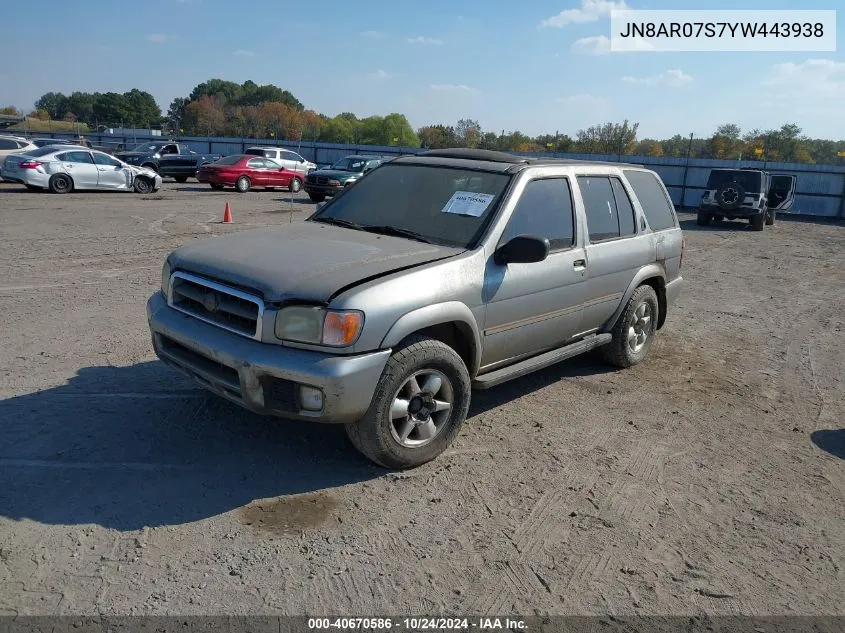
537	306
617	245
80	166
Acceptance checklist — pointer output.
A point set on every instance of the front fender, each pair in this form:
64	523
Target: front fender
648	272
437	314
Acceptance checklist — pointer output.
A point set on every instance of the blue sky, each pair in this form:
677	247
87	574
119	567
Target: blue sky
434	61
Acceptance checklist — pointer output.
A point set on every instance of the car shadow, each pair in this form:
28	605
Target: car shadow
724	225
831	441
590	364
129	447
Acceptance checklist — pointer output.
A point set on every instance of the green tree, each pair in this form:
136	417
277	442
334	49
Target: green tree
54	103
175	113
468	132
81	104
340	129
112	108
142	108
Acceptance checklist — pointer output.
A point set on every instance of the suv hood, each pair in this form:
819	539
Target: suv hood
308	261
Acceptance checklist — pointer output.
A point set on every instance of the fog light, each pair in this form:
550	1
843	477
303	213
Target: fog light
310	398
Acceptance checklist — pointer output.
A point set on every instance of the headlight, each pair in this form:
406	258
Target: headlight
165	278
306	324
334	183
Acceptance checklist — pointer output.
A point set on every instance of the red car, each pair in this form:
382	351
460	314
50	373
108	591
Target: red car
244	172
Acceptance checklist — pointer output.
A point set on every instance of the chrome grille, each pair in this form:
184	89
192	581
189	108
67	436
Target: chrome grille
318	180
214	303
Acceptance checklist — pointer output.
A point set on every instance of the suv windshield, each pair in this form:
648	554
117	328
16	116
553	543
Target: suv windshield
436	204
350	164
751	181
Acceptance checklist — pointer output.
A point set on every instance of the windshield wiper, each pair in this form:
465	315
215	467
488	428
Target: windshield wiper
341	222
392	230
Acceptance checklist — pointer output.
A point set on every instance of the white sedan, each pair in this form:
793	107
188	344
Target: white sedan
66	168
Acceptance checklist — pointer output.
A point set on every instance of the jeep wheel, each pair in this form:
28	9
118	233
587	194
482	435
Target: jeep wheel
770	217
633	333
61	183
757	221
703	219
316	197
180	179
418	407
242	184
730	196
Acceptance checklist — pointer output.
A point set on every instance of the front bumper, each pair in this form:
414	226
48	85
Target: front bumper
322	190
261	377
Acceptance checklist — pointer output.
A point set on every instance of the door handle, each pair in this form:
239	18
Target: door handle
579	264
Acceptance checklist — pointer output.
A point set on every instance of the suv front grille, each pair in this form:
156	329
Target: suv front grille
214	303
318	180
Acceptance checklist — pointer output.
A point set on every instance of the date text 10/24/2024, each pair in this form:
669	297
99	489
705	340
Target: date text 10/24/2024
416	624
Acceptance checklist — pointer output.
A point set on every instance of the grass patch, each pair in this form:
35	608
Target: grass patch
31	125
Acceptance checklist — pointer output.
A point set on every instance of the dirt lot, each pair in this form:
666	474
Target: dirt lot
708	480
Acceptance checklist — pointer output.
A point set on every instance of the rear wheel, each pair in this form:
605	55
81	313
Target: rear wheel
295	185
634	331
180	179
703	219
757	221
61	183
316	197
243	184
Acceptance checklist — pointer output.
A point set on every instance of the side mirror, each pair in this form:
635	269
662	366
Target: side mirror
522	249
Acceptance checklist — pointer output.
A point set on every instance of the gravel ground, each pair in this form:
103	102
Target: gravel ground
710	479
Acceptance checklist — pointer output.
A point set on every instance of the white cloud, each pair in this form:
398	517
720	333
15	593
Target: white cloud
372	34
601	45
589	11
819	77
453	88
586	101
425	40
158	38
380	75
243	53
674	78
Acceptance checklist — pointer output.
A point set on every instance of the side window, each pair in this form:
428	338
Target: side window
257	163
7	144
624	208
294	156
103	159
271	164
600	207
544	210
169	149
76	157
657	206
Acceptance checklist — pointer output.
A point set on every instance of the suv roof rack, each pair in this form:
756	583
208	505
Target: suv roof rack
475	154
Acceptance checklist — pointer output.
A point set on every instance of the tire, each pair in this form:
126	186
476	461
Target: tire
730	196
379	436
180	179
623	353
316	197
216	186
295	185
243	184
61	183
770	217
703	219
757	221
142	185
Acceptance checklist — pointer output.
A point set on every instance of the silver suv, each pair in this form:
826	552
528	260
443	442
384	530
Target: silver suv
435	274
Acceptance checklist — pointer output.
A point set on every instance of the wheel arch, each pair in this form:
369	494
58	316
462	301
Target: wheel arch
652	275
450	323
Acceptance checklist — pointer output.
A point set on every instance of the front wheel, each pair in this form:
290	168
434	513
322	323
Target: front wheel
634	331
295	185
143	185
419	405
757	221
770	217
242	184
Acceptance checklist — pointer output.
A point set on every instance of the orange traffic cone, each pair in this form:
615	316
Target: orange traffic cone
227	215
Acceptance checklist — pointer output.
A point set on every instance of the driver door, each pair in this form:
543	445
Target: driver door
781	192
111	173
535	307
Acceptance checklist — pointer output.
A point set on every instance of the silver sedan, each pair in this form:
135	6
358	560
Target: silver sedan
66	168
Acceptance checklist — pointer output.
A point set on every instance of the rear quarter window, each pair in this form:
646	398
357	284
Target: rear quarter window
657	206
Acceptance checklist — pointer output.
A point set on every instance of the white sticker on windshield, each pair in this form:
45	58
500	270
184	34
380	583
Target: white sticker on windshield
468	203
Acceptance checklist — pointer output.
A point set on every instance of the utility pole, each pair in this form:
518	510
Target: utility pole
686	171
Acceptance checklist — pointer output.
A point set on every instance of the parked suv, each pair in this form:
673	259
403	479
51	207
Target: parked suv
284	158
434	274
753	194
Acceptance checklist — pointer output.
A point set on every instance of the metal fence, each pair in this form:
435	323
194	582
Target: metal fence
820	189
